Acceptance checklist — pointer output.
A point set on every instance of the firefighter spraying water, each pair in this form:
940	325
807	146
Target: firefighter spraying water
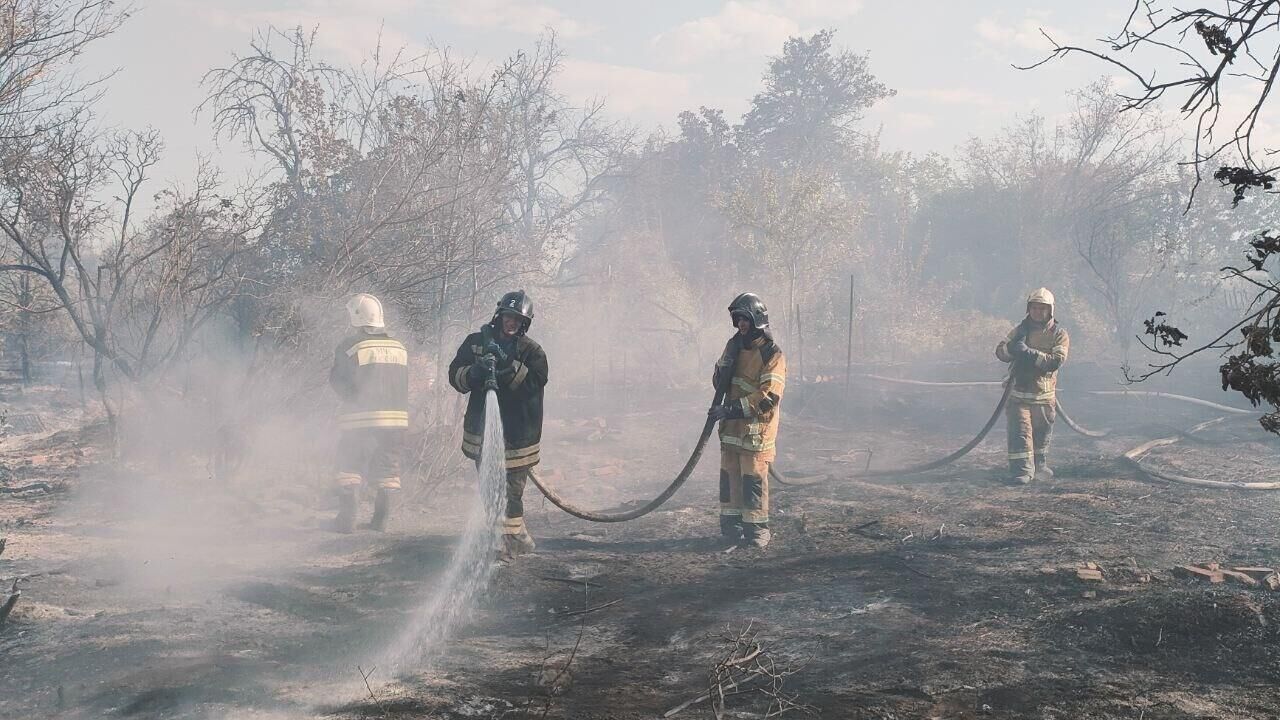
502	355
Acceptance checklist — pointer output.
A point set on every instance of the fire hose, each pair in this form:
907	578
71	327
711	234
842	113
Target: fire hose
1132	457
912	469
783	479
653	504
698	449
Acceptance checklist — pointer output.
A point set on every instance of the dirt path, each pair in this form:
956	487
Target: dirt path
911	597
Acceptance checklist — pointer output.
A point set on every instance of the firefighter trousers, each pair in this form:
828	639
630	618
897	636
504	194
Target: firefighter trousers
1030	426
371	454
744	487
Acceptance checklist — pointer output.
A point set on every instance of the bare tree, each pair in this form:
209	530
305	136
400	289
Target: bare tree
562	156
1217	53
38	40
1204	45
135	295
1120	199
275	102
796	220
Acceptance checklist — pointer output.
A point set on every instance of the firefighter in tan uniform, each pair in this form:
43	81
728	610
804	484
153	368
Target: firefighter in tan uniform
752	371
1037	347
502	349
370	374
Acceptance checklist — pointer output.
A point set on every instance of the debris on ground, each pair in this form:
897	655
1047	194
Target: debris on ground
22	424
1248	575
7	607
1089	572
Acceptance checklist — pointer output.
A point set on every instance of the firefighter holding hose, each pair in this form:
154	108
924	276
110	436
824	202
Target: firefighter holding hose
501	355
752	373
1036	348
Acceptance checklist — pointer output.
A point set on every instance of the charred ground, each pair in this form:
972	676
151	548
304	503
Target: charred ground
910	597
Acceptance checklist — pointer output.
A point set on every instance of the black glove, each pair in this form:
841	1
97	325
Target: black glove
479	370
727	411
1018	348
494	349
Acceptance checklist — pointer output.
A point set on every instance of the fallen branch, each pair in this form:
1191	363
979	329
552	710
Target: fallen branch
365	677
14	594
554	678
748	667
42	573
707	695
874	535
24	488
571	581
585	611
914	571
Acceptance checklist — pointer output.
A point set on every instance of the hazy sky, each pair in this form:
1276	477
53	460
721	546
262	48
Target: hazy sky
948	60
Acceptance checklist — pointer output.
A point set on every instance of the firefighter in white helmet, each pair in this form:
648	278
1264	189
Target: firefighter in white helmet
371	377
1036	347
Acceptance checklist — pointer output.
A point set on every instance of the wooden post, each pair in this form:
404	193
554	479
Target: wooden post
848	353
612	386
799	343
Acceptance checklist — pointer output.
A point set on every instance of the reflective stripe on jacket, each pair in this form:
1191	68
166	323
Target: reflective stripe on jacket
759	377
371	376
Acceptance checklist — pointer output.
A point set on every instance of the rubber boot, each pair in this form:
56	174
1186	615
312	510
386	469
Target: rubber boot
731	527
384	507
348	502
1043	471
756	535
516	539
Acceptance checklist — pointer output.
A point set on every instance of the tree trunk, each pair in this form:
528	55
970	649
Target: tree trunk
113	423
791	293
24	329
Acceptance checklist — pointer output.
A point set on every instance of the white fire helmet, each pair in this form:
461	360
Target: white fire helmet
1042	296
365	311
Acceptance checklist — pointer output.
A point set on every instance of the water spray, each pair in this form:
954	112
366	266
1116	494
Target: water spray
451	602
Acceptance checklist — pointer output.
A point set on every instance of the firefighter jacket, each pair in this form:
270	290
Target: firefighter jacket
754	394
519	398
1035	379
371	376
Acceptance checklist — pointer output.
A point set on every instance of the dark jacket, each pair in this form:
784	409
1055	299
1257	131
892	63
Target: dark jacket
371	376
519	398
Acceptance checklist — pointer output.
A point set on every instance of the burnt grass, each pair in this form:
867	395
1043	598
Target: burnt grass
942	595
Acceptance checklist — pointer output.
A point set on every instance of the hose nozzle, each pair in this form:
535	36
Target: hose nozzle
491	382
